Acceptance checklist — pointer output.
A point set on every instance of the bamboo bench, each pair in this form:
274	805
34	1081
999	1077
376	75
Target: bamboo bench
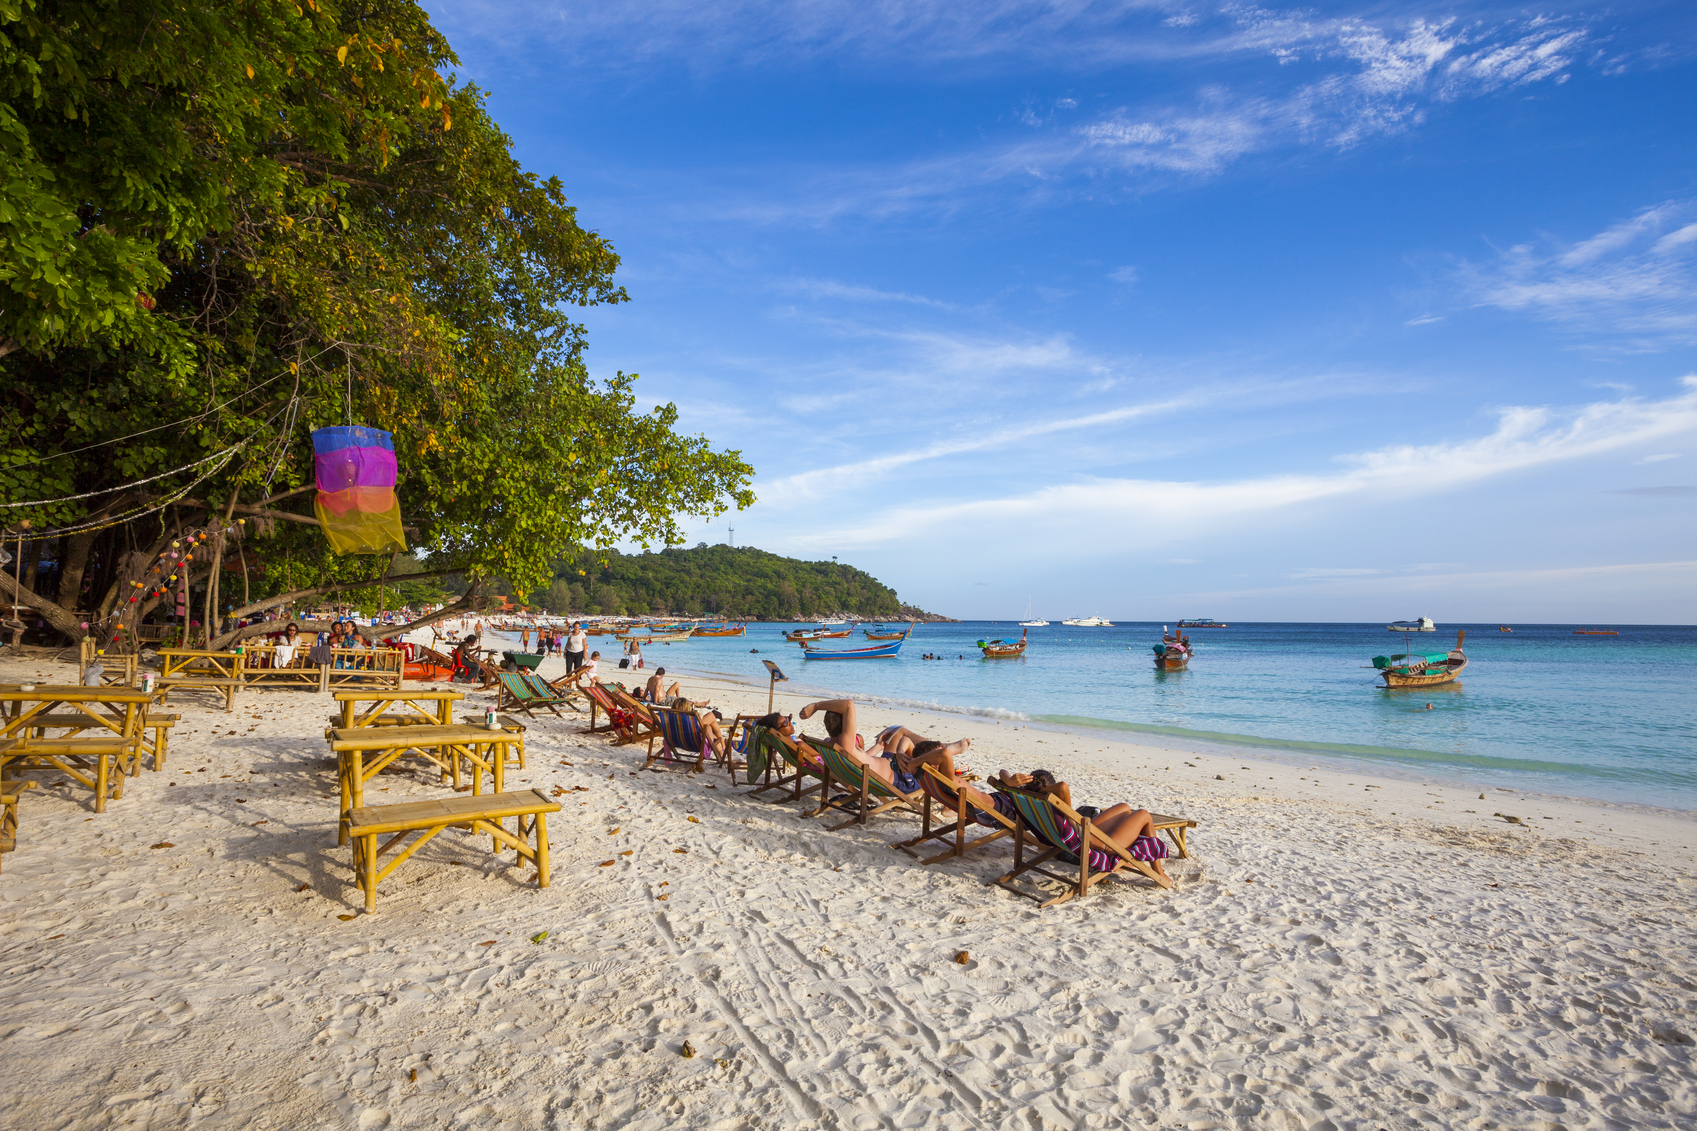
73	757
9	791
474	814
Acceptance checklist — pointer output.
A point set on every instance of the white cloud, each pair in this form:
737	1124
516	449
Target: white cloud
827	288
1658	458
1126	274
1634	280
1525	437
1328	572
1424	320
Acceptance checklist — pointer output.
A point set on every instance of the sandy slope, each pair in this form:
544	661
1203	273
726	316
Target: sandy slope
1342	952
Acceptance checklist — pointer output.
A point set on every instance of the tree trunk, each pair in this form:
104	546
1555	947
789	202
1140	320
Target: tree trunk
61	618
72	567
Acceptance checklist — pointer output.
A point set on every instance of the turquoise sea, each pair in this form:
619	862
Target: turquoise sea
1608	717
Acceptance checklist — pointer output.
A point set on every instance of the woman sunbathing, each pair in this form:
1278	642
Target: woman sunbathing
840	726
1131	829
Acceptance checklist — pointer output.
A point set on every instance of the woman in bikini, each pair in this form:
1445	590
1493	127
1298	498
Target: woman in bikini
1131	829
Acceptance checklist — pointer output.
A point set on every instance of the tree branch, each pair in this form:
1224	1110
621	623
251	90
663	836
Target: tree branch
469	601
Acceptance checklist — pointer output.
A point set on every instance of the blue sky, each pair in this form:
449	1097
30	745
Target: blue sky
1155	309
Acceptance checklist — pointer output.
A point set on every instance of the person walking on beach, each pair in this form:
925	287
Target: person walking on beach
576	645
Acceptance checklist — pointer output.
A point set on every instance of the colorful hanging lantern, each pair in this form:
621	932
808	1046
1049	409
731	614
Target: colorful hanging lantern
356	501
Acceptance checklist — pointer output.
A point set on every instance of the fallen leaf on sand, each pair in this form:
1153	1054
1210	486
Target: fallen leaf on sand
605	864
241	801
662	897
683	851
695	820
162	844
412	1076
302	887
50	938
565	763
344	918
611	831
1219	777
627	852
538	937
963	958
665	883
256	824
491	942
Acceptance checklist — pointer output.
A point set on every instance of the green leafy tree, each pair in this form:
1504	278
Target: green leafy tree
223	225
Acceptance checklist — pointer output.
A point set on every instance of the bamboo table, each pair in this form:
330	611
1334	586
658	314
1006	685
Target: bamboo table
187	669
119	710
363	752
428	707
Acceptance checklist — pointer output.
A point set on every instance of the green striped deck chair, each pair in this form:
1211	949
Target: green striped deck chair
1056	828
546	690
517	695
864	788
770	753
967	813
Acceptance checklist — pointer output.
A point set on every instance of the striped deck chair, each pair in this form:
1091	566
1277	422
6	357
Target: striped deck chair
517	695
602	703
682	739
864	788
948	796
548	691
772	753
640	724
1057	828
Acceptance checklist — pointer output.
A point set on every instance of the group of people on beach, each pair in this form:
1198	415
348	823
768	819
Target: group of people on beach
897	756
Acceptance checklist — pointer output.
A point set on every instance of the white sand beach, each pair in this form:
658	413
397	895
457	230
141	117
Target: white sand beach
1341	951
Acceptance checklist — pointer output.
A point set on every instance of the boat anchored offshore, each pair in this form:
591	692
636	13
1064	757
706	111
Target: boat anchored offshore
1030	623
1420	624
1203	622
1089	622
1416	669
1003	649
1173	652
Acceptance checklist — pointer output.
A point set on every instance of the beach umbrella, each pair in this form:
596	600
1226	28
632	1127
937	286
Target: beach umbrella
356	501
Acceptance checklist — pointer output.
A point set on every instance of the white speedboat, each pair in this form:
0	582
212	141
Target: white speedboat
1089	622
1421	624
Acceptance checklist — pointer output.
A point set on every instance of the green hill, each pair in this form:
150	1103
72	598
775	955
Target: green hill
728	581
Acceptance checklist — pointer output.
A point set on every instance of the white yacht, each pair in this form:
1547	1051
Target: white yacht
1421	624
1028	622
1089	622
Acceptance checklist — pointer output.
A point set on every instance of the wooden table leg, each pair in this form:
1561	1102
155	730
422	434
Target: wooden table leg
541	850
344	769
103	764
369	873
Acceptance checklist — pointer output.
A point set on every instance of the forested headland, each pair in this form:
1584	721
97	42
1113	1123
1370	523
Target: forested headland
733	582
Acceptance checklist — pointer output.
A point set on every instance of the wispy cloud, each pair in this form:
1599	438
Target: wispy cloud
1658	458
1525	437
828	288
1633	282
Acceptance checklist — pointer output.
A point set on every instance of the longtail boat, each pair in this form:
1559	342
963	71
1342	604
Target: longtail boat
1415	669
720	630
801	634
1173	652
652	637
1202	622
1595	632
882	635
1003	649
871	652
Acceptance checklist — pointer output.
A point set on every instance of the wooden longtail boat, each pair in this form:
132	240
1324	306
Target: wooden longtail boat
1173	652
882	635
1418	670
1202	622
1003	649
653	637
1595	632
720	630
801	634
872	652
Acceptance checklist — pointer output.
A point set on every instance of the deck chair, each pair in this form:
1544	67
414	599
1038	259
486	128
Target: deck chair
769	753
864	788
548	691
682	739
517	695
1044	821
601	703
949	798
633	722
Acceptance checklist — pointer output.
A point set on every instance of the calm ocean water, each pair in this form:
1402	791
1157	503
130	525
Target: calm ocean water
1609	717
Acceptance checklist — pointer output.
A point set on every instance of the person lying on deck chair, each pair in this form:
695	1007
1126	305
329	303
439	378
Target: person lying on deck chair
651	690
1131	829
910	750
709	724
840	726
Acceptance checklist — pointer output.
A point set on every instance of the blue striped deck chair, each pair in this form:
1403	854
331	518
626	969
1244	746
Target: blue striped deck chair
772	754
682	739
864	788
1047	822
